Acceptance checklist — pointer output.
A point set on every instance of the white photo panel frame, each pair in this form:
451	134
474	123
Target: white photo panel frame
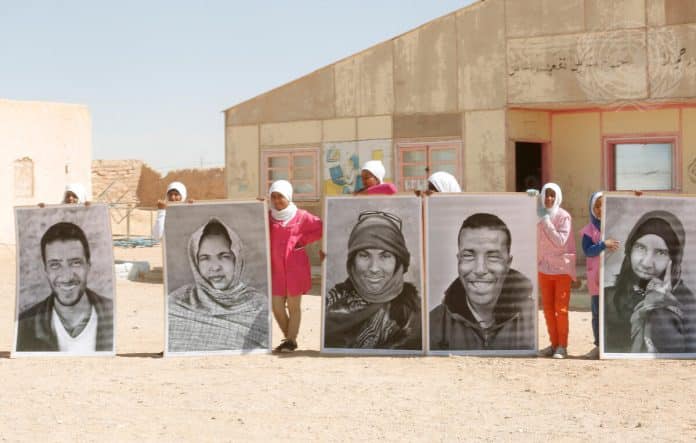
621	213
340	216
249	219
444	215
31	223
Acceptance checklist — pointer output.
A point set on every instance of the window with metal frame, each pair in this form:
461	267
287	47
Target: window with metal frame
418	161
298	166
648	164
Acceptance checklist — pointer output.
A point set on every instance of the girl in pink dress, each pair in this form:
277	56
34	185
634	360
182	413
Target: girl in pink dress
291	230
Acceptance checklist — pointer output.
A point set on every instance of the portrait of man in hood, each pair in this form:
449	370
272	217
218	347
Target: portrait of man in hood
378	305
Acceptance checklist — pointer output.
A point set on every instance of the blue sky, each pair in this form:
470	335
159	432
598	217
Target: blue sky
157	74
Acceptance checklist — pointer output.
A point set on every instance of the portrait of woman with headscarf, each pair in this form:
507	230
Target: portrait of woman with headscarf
219	311
374	308
649	308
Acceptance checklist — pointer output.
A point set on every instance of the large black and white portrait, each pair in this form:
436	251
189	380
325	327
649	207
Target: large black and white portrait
65	281
372	286
481	274
648	307
217	276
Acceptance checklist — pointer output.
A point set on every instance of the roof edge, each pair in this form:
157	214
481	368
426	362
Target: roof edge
422	25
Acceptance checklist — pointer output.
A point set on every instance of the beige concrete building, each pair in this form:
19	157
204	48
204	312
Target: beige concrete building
505	94
44	147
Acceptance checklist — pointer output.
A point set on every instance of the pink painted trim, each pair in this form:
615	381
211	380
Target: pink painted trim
608	108
547	154
545	163
602	156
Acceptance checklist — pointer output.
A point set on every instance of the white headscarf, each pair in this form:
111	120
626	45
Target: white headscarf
559	198
593	200
284	188
444	182
78	190
376	168
179	187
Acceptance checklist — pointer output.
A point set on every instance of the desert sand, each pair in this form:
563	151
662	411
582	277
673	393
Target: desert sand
139	395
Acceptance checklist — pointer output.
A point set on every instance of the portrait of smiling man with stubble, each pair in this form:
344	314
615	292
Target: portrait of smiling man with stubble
481	256
71	317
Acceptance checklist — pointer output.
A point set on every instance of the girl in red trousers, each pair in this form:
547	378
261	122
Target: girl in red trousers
291	230
556	265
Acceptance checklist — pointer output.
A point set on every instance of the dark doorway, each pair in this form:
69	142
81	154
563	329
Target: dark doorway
528	157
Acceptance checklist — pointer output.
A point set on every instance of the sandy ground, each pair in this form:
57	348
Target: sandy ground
306	396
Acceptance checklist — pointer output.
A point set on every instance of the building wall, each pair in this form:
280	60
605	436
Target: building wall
56	139
688	131
242	161
116	180
577	147
488	75
481	61
640	121
529	125
485	165
595	51
576	154
365	82
425	69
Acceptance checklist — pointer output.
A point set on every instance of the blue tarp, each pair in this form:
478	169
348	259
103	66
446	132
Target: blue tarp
136	242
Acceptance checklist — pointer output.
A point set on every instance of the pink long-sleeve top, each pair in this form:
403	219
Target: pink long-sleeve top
556	244
382	188
593	263
291	273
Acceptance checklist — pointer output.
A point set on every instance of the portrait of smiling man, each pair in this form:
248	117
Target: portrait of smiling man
489	306
72	318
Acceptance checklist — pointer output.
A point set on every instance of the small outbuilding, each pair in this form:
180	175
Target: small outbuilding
44	146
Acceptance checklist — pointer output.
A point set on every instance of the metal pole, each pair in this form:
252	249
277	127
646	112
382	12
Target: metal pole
128	226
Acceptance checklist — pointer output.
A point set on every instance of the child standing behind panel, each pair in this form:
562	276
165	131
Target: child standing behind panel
176	192
556	264
291	230
592	246
372	174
